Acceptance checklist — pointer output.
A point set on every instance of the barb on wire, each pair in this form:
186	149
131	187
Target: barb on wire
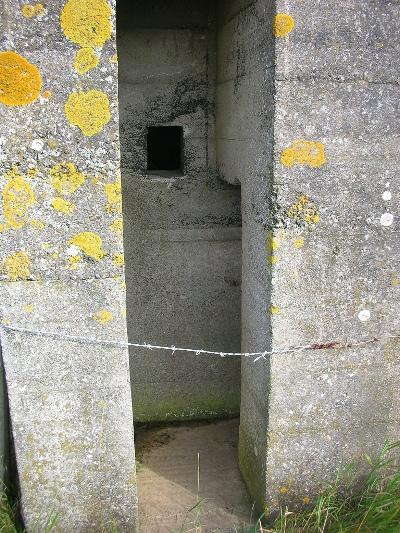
257	356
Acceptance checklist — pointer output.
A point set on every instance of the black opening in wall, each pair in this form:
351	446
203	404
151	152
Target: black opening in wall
164	150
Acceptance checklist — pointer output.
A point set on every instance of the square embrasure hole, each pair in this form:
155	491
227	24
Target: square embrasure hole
165	151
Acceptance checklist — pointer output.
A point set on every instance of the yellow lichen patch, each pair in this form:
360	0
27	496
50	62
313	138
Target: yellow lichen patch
87	22
90	243
283	24
1	228
304	211
85	60
17	197
62	206
20	81
283	490
37	224
117	226
273	259
89	111
306	500
30	11
74	261
275	310
103	317
114	196
114	58
32	173
309	153
299	242
17	266
28	308
395	281
118	259
53	144
66	178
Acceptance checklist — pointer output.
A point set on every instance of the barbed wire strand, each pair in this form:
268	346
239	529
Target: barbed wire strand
257	356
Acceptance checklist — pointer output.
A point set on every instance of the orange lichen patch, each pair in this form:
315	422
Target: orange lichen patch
17	266
63	206
20	81
89	111
117	226
66	178
118	259
30	11
309	153
87	22
32	173
283	24
47	94
17	197
86	59
104	316
90	243
306	500
304	210
275	310
114	196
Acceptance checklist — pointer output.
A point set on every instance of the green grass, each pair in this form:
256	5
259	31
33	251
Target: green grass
8	514
350	505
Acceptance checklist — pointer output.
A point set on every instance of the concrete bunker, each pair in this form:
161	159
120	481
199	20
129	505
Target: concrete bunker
182	220
192	78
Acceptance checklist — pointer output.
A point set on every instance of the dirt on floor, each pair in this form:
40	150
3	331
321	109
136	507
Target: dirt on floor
189	479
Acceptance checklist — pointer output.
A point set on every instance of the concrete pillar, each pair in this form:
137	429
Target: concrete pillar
62	265
4	428
332	251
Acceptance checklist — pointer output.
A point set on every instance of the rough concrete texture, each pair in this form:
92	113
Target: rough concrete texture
182	234
336	272
62	265
4	427
244	153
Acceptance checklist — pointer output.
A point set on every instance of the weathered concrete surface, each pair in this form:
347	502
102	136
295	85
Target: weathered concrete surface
4	427
182	235
62	266
244	135
335	276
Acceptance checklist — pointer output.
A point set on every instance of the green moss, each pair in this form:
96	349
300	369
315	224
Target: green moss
253	471
174	407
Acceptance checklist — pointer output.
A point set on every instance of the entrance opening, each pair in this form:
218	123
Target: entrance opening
187	89
164	150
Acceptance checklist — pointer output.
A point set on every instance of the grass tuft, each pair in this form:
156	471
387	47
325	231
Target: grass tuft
351	505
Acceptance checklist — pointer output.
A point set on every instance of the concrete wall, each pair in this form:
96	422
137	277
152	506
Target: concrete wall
182	235
4	427
244	153
337	278
61	272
